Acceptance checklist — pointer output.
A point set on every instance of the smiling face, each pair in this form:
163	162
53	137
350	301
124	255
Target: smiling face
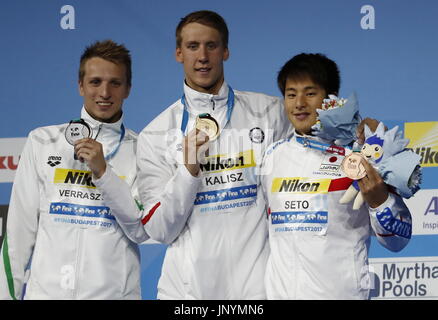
104	87
202	53
372	152
301	99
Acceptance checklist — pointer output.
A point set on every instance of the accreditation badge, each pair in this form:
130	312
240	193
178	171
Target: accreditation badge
299	205
205	122
352	166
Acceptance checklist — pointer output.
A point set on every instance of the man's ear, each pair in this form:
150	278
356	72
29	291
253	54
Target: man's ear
178	55
81	88
226	54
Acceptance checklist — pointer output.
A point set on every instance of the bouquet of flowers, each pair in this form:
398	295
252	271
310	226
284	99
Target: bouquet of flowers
337	120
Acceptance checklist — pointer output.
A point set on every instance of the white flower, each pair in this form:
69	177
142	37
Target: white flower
333	102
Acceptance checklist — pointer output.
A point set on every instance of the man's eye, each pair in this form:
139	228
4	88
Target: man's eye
116	83
95	81
211	46
291	96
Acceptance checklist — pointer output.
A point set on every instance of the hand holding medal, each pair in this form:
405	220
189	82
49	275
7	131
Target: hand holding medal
373	189
196	142
79	134
367	185
195	148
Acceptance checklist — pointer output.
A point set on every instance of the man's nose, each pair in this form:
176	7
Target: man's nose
300	102
203	54
105	91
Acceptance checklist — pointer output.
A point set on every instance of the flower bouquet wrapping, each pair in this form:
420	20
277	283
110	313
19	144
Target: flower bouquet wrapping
337	120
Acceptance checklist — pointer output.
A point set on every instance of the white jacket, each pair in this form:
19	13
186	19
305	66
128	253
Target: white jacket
58	217
215	224
319	248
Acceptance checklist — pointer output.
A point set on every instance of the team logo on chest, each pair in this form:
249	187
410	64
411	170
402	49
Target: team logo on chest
331	163
332	159
256	135
53	161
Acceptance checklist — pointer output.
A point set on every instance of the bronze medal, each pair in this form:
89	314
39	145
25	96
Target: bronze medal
352	167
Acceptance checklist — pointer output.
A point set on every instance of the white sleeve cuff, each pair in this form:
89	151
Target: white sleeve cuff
389	203
185	173
104	178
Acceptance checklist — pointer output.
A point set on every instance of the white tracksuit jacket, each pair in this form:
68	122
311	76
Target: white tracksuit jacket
215	224
319	248
60	218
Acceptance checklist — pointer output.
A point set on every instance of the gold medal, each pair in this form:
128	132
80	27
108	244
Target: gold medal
352	167
205	122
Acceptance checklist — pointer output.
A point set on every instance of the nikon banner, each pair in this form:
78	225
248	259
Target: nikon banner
424	141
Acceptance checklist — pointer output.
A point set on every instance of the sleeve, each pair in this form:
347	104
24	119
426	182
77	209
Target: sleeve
22	225
124	204
283	127
263	178
166	188
392	223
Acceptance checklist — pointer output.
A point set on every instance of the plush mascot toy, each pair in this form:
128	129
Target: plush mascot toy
398	166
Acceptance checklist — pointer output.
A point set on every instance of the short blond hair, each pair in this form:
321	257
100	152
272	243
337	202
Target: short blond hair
110	51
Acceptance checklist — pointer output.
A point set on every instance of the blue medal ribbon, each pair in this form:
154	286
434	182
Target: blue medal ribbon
113	153
324	147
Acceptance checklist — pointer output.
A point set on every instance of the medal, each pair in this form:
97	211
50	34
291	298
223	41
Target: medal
76	130
352	167
205	122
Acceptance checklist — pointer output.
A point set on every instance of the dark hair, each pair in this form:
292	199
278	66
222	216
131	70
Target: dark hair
207	18
316	66
110	51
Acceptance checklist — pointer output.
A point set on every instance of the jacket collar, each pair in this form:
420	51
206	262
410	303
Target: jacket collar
95	124
108	134
198	102
309	137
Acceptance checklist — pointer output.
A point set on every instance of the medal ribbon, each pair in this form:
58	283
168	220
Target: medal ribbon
324	147
122	135
185	118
